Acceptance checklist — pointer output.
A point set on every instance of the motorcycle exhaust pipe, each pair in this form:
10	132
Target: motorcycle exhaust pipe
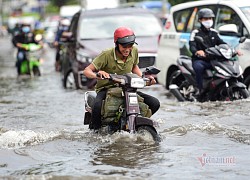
174	89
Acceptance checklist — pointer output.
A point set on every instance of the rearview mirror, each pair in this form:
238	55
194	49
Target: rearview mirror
242	39
151	70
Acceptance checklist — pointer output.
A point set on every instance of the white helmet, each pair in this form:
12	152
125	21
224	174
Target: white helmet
65	22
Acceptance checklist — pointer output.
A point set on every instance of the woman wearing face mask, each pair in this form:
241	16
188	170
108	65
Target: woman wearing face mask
24	37
199	60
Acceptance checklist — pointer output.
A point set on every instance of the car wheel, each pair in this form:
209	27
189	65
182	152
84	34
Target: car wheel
69	81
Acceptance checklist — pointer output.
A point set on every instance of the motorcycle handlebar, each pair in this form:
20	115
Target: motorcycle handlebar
121	80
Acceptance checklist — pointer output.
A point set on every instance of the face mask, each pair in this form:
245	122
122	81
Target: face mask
26	29
208	24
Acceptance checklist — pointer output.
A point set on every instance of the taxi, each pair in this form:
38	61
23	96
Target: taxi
183	18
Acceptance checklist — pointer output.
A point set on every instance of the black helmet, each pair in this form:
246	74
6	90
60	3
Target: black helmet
205	13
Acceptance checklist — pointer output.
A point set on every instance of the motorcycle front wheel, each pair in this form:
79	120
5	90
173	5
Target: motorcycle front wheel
148	133
36	71
247	82
241	94
176	78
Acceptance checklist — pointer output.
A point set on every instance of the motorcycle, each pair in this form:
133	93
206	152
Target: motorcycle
223	82
128	116
33	53
61	52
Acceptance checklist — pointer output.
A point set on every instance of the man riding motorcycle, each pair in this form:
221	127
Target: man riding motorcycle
63	26
211	38
121	59
24	37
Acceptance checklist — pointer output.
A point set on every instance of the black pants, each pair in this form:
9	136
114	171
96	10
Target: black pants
151	101
57	53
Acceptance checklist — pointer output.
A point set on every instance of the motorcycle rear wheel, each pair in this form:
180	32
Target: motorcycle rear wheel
148	133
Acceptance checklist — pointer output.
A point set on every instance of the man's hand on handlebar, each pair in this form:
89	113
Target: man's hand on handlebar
102	75
200	53
151	80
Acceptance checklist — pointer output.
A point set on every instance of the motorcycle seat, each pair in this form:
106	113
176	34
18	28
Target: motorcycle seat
187	63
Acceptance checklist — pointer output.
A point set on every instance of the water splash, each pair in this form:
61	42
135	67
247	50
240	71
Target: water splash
23	138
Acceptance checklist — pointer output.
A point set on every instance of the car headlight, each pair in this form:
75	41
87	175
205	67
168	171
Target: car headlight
137	83
84	59
227	53
221	71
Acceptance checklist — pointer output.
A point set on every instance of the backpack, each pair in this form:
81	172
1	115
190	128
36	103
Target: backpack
114	102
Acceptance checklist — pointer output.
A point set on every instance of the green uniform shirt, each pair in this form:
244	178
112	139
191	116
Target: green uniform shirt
109	62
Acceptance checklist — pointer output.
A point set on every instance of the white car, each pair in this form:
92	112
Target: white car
174	40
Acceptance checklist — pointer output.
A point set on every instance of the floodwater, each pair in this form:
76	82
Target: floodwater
42	135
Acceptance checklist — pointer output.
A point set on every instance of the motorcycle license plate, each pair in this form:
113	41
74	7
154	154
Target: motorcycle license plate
133	98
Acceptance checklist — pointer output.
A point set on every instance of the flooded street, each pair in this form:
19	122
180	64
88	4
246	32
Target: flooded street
42	134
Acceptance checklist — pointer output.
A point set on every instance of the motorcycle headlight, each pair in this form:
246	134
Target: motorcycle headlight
227	53
221	71
137	83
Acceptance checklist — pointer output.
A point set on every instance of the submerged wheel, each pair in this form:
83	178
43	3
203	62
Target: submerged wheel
241	94
36	71
176	78
175	81
148	133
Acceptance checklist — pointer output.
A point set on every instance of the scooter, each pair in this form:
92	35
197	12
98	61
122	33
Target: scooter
128	116
31	63
223	82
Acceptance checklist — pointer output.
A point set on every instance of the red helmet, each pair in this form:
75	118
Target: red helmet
124	35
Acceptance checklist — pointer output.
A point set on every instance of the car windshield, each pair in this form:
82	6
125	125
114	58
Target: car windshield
246	11
104	27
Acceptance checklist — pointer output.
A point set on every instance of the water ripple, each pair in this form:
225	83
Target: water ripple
211	128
